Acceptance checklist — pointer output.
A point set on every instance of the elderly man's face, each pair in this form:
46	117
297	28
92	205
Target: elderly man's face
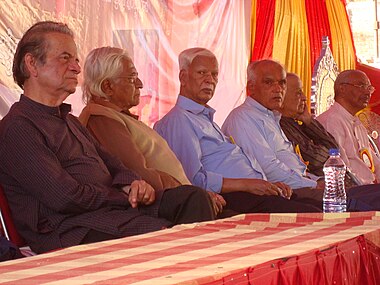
270	85
59	74
357	91
199	81
125	88
295	100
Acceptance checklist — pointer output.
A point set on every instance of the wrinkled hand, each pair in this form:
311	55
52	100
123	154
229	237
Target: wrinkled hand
217	201
286	191
262	187
305	116
140	192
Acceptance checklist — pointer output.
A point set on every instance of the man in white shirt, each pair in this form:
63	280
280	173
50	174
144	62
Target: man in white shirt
255	126
352	90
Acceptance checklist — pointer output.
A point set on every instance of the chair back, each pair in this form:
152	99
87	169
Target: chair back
7	225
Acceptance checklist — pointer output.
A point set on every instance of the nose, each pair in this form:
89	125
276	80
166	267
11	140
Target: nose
278	86
210	78
139	83
75	67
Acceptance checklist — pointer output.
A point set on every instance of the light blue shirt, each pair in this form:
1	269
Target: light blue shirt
257	131
205	153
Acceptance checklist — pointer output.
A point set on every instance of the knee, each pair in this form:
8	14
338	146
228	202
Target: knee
199	198
199	194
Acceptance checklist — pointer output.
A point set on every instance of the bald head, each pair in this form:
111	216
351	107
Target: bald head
266	83
293	76
347	76
353	90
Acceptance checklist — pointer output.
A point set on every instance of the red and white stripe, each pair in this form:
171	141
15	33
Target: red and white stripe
192	254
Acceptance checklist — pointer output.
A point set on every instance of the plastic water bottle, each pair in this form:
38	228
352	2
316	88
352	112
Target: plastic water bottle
334	196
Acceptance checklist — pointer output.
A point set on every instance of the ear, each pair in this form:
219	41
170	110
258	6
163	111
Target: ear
106	87
183	77
250	84
342	91
31	64
249	87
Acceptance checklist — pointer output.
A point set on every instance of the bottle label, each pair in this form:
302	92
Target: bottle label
366	156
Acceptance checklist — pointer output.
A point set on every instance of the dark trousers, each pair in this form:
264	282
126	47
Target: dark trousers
186	204
244	202
359	198
180	205
363	198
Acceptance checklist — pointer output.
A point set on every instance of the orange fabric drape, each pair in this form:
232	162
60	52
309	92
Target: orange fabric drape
291	32
262	32
374	76
291	39
342	45
318	24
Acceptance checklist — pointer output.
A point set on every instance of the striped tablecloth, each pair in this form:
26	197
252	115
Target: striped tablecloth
200	253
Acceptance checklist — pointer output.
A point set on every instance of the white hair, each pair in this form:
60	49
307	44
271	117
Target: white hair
101	64
187	56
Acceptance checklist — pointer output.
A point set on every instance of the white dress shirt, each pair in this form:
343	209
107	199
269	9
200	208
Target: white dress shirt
352	138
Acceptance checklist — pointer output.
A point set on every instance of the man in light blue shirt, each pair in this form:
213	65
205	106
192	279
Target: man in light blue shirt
255	126
209	158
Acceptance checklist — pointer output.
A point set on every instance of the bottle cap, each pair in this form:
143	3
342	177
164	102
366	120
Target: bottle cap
334	151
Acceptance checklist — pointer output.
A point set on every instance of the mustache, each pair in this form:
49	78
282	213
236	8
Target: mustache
208	86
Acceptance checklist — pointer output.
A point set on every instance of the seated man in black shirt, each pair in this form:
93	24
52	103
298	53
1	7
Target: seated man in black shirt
309	137
63	188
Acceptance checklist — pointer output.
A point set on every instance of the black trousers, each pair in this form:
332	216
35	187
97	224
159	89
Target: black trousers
244	202
359	198
186	204
180	205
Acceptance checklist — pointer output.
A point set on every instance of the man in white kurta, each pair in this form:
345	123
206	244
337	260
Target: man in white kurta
352	93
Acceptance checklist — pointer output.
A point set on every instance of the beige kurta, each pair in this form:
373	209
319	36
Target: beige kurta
139	147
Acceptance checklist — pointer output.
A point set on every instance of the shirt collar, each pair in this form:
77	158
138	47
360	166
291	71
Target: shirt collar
60	111
250	102
347	115
105	103
195	108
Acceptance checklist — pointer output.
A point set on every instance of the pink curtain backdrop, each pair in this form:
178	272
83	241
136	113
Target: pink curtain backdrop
153	31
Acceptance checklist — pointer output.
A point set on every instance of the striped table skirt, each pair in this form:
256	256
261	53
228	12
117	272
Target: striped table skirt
245	249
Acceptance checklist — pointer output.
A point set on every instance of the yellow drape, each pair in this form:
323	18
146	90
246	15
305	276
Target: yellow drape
291	44
253	26
342	47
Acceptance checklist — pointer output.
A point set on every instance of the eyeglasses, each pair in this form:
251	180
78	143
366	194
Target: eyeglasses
370	88
130	79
